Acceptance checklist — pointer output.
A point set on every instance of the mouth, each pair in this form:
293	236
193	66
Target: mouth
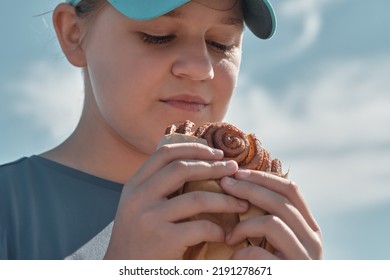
186	103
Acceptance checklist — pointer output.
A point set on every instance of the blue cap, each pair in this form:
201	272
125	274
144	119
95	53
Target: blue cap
259	15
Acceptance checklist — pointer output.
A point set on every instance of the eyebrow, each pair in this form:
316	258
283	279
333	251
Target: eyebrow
226	20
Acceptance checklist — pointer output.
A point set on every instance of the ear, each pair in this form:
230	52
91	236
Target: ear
69	33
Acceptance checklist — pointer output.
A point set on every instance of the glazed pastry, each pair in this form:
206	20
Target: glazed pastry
247	151
243	148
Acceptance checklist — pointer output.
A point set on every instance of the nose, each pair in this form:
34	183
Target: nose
194	62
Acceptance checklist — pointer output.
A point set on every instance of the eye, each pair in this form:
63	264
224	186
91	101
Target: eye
220	47
156	40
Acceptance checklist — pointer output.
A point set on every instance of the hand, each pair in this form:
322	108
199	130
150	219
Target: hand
148	224
290	227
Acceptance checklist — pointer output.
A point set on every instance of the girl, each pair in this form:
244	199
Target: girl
104	191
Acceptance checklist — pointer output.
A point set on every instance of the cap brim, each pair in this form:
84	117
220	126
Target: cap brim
260	18
258	14
146	9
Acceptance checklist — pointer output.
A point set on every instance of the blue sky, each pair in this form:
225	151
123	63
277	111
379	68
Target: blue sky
317	94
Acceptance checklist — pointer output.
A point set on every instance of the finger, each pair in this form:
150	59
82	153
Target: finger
284	187
193	203
173	176
278	234
276	204
195	232
168	153
253	253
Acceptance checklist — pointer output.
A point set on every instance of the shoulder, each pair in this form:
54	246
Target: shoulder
11	165
18	176
26	168
12	170
12	178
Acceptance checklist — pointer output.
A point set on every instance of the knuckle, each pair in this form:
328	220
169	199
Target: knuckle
316	250
284	202
218	164
149	219
211	229
147	215
318	231
145	219
251	188
198	146
165	150
179	165
208	227
318	238
198	198
318	246
272	221
132	202
292	188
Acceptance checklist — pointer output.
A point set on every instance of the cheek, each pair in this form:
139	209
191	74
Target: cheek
115	81
124	91
106	87
228	70
227	81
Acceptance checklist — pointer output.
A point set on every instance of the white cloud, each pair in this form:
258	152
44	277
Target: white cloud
50	95
307	14
331	130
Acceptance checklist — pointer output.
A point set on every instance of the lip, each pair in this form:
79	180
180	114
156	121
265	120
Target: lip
186	102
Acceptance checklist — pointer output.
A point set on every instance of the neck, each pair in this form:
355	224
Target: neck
110	161
95	149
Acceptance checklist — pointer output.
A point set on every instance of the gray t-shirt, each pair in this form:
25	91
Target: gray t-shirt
51	211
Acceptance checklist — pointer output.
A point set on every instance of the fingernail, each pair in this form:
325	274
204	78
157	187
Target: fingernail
217	152
243	204
229	181
231	165
228	236
243	173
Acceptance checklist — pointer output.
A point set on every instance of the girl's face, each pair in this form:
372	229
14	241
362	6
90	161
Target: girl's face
146	75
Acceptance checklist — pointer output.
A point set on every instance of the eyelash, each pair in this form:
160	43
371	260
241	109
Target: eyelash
157	40
160	40
221	47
